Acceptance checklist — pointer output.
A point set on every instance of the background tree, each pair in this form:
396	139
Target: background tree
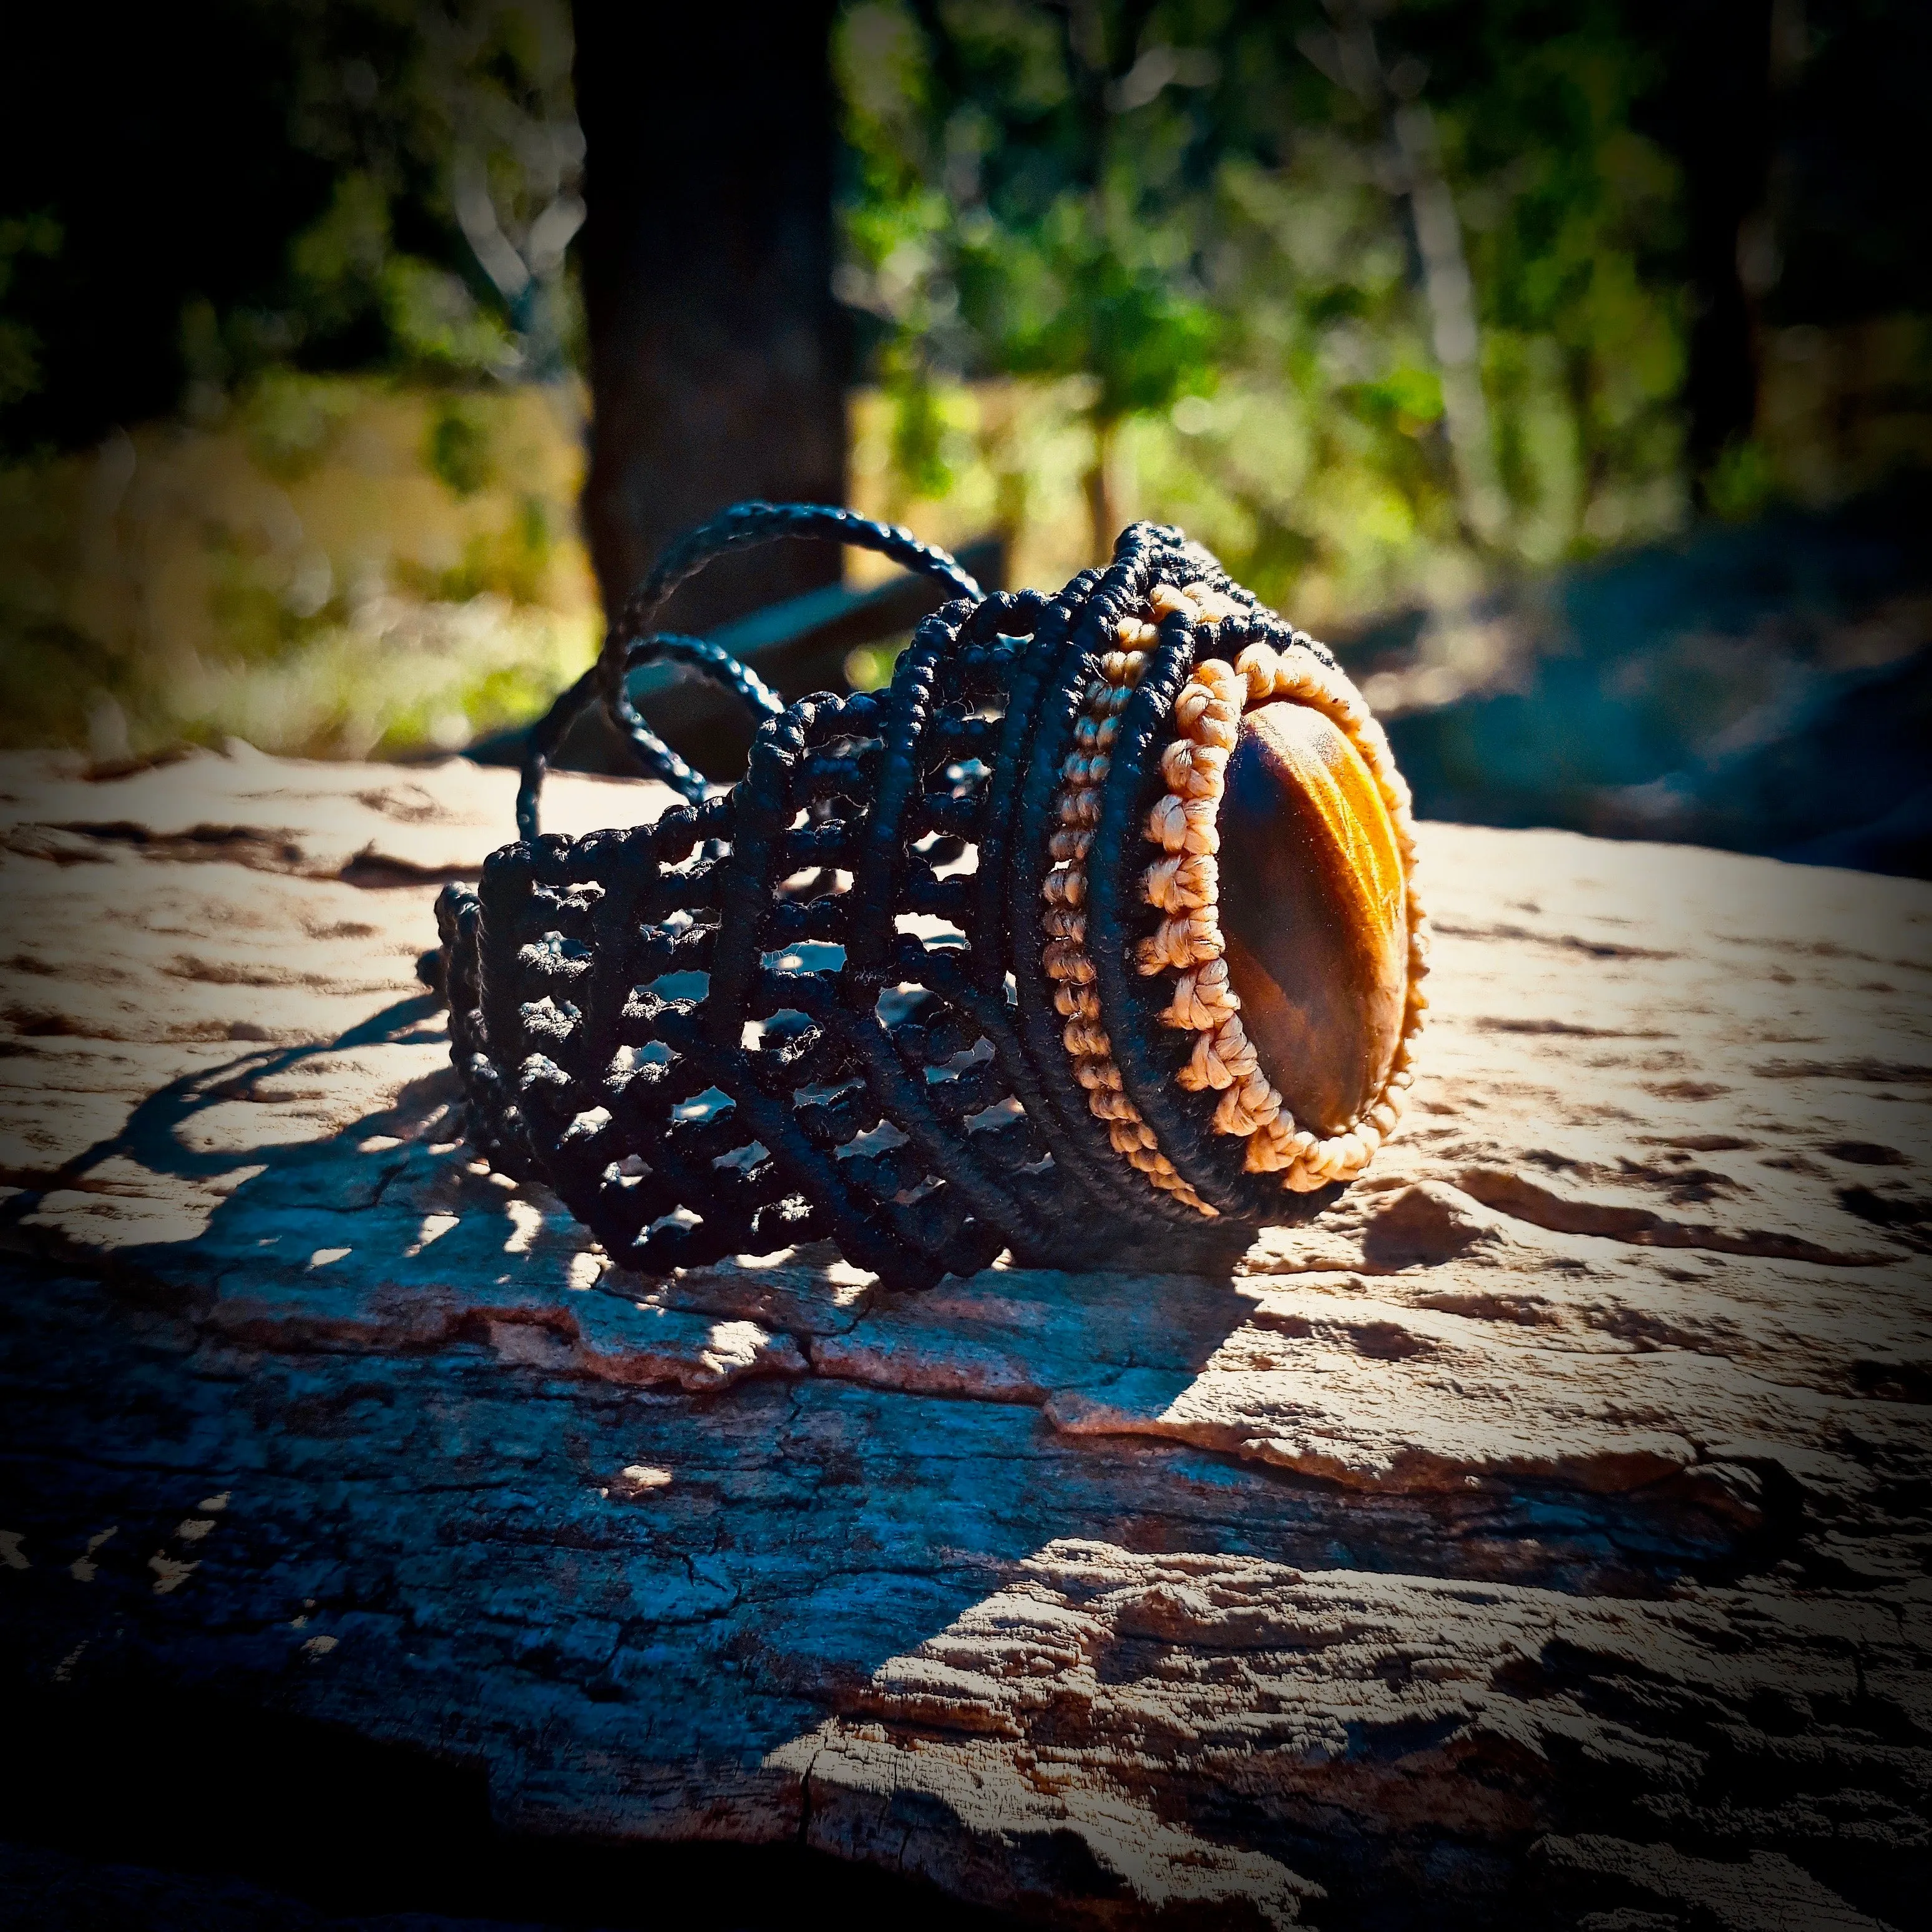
717	357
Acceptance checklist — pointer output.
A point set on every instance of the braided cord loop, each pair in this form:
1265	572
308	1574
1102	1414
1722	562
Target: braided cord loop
629	643
656	758
890	989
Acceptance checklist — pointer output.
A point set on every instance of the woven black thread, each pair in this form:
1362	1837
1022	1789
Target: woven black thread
715	1034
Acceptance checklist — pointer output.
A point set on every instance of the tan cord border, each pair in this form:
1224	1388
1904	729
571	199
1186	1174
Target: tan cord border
1185	885
1064	957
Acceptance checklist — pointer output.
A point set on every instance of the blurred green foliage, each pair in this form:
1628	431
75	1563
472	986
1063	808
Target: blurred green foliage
287	414
1216	214
1389	303
315	185
457	449
340	567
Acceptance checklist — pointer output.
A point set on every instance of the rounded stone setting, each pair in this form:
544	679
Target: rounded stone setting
1313	913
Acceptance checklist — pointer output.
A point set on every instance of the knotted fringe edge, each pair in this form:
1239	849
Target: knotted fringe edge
1064	958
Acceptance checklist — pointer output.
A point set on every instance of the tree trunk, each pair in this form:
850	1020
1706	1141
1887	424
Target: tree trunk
1102	515
717	355
1715	111
1453	330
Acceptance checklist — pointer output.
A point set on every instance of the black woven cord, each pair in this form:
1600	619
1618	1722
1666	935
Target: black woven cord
814	1005
630	642
746	523
1042	1026
761	523
1117	918
1096	616
1042	662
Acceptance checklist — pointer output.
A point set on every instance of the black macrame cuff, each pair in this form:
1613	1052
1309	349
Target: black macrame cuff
813	1006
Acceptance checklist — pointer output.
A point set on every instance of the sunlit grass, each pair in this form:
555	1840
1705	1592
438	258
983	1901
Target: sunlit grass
335	567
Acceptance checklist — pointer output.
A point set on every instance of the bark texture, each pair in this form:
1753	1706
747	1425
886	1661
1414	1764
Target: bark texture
1541	1538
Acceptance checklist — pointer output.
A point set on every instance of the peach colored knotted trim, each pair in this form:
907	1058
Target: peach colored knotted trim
1064	957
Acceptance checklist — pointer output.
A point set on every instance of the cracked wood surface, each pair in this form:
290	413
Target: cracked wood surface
1546	1529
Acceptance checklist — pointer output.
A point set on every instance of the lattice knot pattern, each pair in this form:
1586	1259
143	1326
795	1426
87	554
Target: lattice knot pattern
953	970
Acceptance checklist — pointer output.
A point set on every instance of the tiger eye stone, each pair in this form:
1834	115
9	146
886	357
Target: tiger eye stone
1313	912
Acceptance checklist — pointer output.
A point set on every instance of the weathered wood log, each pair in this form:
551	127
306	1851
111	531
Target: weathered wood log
1542	1534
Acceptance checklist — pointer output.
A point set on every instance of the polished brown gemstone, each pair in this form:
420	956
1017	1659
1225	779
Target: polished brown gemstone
1313	912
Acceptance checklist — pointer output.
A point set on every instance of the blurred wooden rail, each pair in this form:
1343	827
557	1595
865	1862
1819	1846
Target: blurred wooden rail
798	646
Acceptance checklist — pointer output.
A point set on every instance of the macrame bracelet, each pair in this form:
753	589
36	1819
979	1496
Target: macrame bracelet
821	1005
